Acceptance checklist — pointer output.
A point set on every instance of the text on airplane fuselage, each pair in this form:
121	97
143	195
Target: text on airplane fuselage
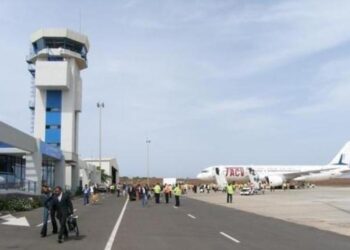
235	171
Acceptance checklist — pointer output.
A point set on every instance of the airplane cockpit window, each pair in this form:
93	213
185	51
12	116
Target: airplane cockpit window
205	171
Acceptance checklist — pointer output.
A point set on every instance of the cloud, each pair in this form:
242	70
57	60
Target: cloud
277	34
329	89
239	105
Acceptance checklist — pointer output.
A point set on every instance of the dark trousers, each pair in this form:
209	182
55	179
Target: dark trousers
63	227
157	196
53	220
45	221
118	192
166	198
86	199
177	200
229	198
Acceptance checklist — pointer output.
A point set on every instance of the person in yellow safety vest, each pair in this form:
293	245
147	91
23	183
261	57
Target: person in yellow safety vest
230	190
157	190
177	193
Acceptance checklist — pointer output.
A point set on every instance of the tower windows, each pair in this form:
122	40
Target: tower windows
53	117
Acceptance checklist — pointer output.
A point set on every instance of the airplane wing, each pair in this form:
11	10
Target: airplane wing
293	175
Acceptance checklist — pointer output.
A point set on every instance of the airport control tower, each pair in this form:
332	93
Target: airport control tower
57	56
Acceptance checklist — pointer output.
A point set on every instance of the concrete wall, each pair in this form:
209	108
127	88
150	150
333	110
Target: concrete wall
52	75
17	138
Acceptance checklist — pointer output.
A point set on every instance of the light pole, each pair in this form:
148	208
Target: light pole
100	106
148	141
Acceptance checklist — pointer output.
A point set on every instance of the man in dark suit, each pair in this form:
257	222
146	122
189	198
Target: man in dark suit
64	208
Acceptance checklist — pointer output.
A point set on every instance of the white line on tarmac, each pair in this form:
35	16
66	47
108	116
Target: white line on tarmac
49	221
229	237
191	216
39	225
116	227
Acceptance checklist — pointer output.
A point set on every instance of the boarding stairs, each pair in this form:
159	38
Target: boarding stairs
254	179
220	177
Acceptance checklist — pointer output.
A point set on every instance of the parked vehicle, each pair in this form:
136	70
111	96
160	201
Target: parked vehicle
102	188
247	191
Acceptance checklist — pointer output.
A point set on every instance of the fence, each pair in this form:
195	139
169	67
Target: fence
23	186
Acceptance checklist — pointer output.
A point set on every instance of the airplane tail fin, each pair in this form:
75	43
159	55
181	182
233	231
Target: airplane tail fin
343	157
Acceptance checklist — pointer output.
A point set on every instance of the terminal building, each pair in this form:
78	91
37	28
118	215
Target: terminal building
109	167
51	155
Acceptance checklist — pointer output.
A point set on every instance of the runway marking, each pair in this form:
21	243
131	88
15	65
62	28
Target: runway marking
191	216
111	239
229	237
39	225
49	221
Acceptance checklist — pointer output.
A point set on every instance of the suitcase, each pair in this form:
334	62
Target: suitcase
72	223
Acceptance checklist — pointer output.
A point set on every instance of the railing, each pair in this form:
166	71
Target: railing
23	186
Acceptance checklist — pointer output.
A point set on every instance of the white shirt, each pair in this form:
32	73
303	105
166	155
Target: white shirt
60	197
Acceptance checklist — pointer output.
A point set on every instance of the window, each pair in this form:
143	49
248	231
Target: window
12	168
59	42
48	172
54	58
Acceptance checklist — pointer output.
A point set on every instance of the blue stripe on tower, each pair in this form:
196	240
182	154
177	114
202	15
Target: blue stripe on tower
53	117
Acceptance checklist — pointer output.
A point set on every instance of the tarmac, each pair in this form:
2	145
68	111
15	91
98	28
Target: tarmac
325	208
118	224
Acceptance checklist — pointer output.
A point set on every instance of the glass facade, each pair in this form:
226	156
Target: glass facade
12	169
48	172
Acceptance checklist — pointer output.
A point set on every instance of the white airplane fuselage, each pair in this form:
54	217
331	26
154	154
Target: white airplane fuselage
276	175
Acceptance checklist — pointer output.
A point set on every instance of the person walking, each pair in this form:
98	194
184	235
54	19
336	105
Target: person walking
229	190
118	189
157	190
64	209
125	187
167	193
48	208
144	193
95	197
86	193
177	193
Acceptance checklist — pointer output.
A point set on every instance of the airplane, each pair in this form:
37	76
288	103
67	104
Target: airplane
277	175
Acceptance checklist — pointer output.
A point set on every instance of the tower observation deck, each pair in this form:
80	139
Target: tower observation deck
56	58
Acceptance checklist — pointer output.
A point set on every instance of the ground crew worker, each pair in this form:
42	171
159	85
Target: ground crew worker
157	190
177	193
166	193
230	190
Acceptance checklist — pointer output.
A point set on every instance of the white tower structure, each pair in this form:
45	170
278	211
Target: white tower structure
56	59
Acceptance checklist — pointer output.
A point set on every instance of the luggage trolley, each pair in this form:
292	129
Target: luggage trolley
73	224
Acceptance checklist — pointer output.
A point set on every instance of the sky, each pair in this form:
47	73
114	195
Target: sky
208	82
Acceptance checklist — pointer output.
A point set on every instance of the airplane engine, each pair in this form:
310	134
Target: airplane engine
275	181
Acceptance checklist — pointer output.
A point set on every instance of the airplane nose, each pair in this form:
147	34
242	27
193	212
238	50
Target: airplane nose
199	176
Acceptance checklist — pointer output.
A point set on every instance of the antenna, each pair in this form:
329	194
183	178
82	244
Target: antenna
79	20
